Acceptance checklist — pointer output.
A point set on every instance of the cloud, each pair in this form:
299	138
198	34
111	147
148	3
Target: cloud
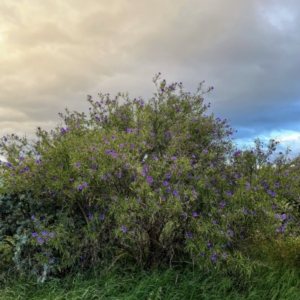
54	53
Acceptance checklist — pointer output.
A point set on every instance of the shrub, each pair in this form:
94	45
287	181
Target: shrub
16	227
145	180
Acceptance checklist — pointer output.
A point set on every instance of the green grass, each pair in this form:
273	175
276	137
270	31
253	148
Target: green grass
179	282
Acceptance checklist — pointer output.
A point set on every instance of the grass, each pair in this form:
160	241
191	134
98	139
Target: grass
167	283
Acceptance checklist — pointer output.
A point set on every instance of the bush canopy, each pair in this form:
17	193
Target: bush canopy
143	181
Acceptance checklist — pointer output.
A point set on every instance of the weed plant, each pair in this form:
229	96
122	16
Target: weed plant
140	194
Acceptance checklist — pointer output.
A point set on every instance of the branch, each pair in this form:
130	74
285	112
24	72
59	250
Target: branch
86	220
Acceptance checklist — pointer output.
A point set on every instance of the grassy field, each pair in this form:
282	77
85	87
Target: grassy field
169	283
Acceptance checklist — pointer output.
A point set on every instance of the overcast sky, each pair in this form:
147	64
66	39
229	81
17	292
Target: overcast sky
55	53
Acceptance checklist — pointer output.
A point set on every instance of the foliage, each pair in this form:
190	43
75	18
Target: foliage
169	283
146	180
16	229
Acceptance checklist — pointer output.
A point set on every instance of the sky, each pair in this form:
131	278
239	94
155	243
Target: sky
55	53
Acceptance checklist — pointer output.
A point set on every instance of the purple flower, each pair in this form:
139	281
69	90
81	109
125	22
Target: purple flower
213	257
237	153
37	161
80	187
121	145
149	179
101	217
195	214
214	221
273	206
91	217
112	137
44	233
174	167
166	183
189	234
175	192
8	164
34	234
51	260
32	217
174	158
124	229
40	240
77	165
84	184
202	254
222	204
230	232
283	217
155	157
51	235
224	255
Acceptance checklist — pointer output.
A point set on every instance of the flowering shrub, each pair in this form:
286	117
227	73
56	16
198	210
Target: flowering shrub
16	227
145	179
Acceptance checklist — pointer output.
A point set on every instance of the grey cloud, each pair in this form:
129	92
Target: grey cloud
53	55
